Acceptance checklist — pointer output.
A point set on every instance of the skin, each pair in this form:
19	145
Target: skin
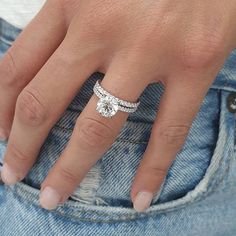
135	43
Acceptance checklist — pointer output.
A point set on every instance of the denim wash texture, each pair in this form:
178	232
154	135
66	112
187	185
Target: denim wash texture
198	196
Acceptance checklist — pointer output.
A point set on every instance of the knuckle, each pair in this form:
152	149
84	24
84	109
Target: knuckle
67	174
99	27
17	154
202	53
66	57
9	71
29	108
93	133
67	7
64	3
158	172
174	135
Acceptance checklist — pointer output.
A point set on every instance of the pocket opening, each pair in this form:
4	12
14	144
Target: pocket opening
85	212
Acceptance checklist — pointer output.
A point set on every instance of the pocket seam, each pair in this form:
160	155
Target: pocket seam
131	217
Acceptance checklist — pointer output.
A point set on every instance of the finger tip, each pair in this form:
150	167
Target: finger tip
7	175
49	198
4	134
142	201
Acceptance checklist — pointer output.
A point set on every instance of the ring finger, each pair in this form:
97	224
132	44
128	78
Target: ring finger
92	136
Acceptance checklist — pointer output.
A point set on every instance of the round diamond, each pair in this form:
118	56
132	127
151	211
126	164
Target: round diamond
107	106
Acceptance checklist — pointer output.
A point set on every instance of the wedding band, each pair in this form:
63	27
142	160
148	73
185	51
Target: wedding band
108	105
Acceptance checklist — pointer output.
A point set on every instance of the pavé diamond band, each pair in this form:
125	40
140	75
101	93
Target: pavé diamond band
108	105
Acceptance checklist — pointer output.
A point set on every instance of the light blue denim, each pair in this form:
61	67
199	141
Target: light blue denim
198	196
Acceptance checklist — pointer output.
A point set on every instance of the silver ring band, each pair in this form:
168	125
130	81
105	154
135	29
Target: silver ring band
108	105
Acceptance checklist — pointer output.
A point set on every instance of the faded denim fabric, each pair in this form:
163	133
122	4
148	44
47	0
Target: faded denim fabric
198	196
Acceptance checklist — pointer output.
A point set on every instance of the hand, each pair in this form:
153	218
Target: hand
134	43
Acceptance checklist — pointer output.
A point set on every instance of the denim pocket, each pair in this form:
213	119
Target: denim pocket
172	196
203	162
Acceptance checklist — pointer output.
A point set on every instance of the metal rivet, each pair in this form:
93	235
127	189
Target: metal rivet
231	102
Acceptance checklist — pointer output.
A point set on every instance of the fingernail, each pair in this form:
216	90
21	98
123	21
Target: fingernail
49	198
8	176
142	201
3	134
1	182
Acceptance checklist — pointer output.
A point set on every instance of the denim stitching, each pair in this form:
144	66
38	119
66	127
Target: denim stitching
211	188
143	215
153	214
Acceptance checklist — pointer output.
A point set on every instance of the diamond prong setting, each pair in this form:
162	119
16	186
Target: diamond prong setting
108	105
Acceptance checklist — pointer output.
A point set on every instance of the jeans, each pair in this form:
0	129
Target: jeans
198	196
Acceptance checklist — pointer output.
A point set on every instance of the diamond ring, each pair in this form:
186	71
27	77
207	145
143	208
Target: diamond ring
108	105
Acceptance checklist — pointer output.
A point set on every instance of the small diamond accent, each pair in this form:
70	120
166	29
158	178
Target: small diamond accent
107	106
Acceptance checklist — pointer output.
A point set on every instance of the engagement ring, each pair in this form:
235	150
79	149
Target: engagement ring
108	105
